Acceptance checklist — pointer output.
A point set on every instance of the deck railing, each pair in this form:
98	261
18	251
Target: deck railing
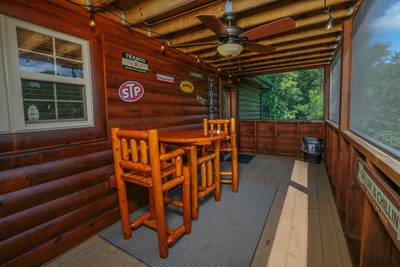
277	137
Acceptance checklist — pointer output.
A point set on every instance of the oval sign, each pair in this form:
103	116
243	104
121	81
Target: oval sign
131	91
186	86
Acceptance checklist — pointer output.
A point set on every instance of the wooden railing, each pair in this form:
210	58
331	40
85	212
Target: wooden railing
277	137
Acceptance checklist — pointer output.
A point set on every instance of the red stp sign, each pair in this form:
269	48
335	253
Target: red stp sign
131	91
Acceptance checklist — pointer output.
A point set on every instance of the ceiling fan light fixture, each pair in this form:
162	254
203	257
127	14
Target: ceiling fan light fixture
230	49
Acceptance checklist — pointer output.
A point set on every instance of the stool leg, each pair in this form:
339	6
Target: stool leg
187	221
194	185
217	195
151	203
123	208
160	220
234	159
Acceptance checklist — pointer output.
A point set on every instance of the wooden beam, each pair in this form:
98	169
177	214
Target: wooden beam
323	59
144	10
283	39
307	46
300	23
283	69
279	60
189	20
294	37
94	3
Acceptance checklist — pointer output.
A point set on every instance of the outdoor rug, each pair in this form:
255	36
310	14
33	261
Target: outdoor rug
243	158
226	234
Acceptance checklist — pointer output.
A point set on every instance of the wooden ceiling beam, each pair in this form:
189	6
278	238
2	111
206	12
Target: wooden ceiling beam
246	23
283	39
298	45
284	69
294	37
301	48
294	63
144	10
189	20
279	60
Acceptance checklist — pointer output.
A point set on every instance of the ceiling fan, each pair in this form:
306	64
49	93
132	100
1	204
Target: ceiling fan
232	40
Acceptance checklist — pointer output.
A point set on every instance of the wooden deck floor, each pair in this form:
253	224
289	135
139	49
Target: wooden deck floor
302	228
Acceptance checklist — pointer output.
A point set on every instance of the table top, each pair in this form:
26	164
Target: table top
188	136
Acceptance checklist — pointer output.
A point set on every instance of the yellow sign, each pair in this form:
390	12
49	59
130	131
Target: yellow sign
186	87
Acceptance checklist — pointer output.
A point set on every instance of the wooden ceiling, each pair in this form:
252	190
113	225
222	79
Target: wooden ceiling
310	44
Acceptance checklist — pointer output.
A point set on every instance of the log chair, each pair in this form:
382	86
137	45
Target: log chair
137	160
227	145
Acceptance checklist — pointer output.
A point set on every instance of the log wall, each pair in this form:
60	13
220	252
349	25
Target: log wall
277	137
54	187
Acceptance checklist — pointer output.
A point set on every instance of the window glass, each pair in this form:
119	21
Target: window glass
46	101
375	85
334	88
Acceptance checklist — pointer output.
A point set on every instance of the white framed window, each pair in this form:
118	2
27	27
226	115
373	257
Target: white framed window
48	83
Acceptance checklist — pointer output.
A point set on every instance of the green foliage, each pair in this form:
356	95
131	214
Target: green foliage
298	96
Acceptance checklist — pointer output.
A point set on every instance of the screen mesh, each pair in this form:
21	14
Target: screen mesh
375	85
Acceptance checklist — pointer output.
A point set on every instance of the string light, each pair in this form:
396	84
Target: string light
198	59
162	47
92	22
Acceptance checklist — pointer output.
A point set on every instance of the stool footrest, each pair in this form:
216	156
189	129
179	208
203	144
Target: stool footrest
139	220
171	184
226	173
175	235
174	202
206	158
206	191
226	181
152	224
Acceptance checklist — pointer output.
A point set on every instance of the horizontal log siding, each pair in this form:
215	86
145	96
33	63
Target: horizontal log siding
54	189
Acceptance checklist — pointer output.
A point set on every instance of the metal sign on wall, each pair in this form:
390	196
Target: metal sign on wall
135	63
131	91
211	97
384	200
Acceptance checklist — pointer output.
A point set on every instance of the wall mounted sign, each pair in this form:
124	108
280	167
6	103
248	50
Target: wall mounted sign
197	75
211	97
164	78
135	63
131	91
384	200
186	86
201	100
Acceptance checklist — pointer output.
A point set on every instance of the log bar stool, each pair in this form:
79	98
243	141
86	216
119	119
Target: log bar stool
137	160
228	145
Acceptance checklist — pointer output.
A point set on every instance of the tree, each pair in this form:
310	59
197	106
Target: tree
297	96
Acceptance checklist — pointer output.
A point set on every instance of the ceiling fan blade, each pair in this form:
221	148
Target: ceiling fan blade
254	47
269	29
213	23
195	44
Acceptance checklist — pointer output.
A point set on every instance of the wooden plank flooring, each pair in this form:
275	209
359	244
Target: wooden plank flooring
302	228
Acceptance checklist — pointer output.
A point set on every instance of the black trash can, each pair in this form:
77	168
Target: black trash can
313	148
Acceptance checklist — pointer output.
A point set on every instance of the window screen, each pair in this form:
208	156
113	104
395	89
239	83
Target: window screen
375	85
334	90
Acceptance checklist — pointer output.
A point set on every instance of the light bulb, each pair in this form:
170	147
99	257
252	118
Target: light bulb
330	23
92	23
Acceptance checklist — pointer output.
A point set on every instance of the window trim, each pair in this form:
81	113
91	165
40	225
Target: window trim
338	56
14	75
4	116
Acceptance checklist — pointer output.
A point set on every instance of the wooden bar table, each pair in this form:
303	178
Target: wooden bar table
193	138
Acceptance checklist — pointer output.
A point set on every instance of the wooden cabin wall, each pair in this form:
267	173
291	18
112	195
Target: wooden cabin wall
54	188
277	137
250	102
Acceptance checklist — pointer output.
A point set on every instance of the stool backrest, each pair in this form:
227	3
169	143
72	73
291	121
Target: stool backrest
227	126
136	150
